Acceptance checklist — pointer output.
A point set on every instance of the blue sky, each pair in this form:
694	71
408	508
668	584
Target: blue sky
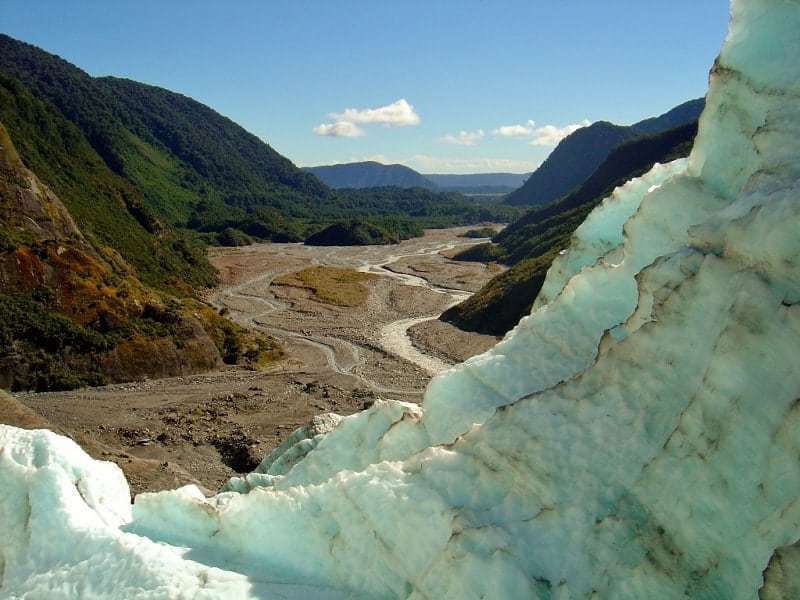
443	86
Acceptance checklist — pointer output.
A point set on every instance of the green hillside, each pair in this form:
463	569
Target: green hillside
186	165
106	207
531	243
176	150
368	174
579	154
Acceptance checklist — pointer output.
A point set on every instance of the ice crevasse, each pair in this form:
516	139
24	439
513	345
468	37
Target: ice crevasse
637	436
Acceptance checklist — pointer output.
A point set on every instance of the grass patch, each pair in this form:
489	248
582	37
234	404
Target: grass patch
485	253
340	287
480	232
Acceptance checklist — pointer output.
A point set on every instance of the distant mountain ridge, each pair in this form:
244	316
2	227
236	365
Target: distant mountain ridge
455	181
374	174
579	154
530	244
369	174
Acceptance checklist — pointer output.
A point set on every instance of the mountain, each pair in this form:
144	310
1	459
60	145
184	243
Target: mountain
107	208
532	242
374	174
369	174
176	150
579	154
475	181
354	233
186	167
73	311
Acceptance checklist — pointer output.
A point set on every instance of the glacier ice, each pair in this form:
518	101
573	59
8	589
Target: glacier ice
637	436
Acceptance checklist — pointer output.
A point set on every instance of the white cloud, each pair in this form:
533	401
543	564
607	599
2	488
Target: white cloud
550	135
547	135
396	114
425	163
463	138
339	129
380	158
526	130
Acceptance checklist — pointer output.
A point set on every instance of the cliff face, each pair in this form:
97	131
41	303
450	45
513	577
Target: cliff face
71	316
637	436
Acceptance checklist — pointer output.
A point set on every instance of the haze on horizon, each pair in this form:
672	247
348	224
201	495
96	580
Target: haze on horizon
450	87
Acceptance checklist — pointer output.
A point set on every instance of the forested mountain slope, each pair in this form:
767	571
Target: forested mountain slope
532	242
176	150
106	207
579	154
369	174
195	169
93	286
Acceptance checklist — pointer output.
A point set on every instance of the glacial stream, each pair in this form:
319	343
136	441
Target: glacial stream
341	355
394	335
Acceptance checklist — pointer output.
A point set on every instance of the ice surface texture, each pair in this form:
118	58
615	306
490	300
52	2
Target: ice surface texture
637	436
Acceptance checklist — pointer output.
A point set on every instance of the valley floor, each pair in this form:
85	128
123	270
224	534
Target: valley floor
201	429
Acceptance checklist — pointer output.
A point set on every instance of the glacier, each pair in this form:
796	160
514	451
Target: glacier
636	436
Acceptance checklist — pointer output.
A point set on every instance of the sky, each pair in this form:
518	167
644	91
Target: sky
443	86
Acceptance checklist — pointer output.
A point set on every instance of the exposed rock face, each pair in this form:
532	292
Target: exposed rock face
30	213
636	437
28	206
44	254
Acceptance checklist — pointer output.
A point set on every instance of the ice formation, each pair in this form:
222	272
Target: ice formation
637	436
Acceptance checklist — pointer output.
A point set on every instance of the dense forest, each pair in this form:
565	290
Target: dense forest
581	153
404	210
192	168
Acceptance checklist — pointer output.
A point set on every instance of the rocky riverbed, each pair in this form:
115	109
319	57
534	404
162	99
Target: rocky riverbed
202	429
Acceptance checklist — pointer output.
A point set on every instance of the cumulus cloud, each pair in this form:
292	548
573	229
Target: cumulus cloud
526	130
396	114
550	135
463	138
547	135
339	129
346	123
380	158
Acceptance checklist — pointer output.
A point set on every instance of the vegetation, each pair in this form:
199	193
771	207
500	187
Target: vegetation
105	206
233	237
74	310
357	232
237	345
580	154
426	207
341	287
531	243
48	350
481	232
369	174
